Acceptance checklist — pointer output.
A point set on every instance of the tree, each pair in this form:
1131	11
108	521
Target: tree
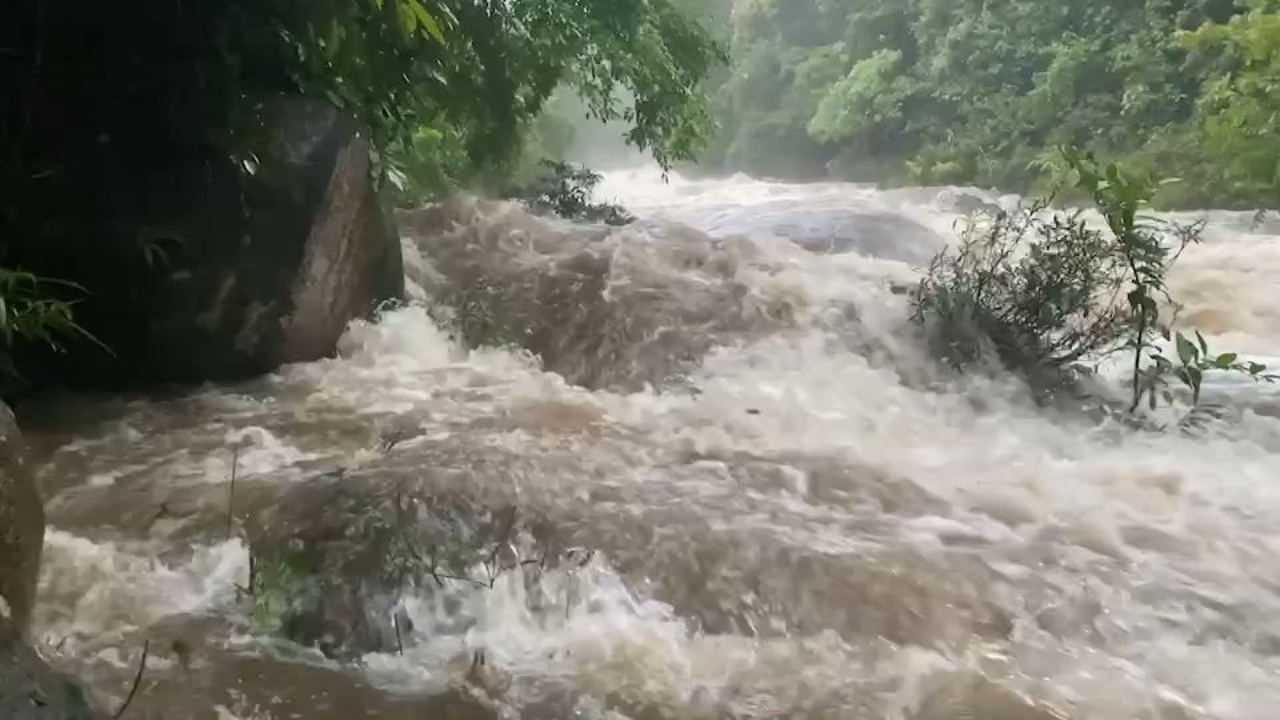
1238	110
974	92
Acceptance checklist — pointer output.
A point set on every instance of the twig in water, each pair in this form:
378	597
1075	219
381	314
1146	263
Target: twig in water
491	566
253	574
389	443
395	623
250	589
440	577
137	680
231	496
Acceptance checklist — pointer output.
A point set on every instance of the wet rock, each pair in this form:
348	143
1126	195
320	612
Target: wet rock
333	556
30	689
21	525
874	234
602	309
964	201
216	271
853	226
197	671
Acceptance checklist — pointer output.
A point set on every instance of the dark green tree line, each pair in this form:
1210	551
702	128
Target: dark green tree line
976	91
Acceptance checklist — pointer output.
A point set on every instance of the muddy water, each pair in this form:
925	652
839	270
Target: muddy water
775	504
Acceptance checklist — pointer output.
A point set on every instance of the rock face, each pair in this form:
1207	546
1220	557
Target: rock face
21	527
875	234
214	270
31	690
847	225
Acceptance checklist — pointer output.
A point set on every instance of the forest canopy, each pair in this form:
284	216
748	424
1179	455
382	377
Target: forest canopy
980	91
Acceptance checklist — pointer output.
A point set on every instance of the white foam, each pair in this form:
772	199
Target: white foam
1136	572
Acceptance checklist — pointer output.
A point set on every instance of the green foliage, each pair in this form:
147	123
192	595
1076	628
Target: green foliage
123	116
1027	292
960	91
110	97
1238	111
1143	249
279	592
866	102
566	191
489	67
32	311
1043	292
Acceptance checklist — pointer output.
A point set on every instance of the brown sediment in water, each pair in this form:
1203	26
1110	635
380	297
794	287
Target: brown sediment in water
804	519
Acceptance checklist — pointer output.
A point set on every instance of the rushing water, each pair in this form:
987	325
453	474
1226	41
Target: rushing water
783	508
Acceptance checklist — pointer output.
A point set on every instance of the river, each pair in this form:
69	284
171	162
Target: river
768	502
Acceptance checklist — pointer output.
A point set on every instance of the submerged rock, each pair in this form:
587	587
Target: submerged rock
21	526
877	234
30	689
604	309
854	225
216	271
334	555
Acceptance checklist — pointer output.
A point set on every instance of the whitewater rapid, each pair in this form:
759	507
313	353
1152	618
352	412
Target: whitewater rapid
783	507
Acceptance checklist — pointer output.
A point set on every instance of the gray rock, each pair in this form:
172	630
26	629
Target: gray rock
884	235
847	225
215	271
21	526
967	201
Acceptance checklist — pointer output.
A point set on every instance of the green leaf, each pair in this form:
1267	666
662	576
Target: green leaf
1187	352
1183	374
408	19
1224	361
1196	377
1204	347
425	19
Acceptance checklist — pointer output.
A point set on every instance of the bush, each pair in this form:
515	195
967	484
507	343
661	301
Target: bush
1042	293
1027	292
565	190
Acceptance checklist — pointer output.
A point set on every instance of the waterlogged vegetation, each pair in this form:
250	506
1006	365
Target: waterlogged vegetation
933	92
1048	295
566	191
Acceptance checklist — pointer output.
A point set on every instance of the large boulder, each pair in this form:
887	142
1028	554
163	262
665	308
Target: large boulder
848	224
29	689
21	527
210	269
